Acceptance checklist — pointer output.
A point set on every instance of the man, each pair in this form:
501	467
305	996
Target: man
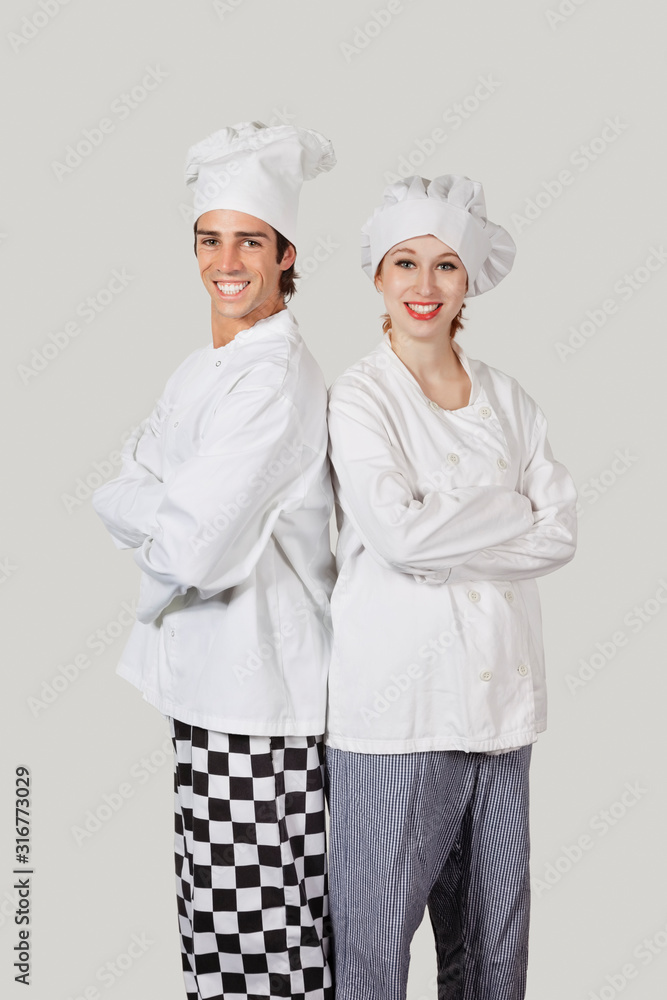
224	496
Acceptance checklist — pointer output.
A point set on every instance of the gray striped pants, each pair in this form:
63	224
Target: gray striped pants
443	829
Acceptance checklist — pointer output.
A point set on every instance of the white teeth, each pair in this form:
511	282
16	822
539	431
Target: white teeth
227	288
418	307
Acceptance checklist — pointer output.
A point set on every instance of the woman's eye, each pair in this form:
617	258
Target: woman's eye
408	263
447	264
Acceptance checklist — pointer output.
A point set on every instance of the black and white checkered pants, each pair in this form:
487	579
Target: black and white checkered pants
251	875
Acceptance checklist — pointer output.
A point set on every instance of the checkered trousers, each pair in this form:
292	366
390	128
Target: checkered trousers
443	829
251	875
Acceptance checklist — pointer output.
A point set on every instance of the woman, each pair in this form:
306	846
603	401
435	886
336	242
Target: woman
449	505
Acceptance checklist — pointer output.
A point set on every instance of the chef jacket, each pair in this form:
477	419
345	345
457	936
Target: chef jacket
445	519
225	496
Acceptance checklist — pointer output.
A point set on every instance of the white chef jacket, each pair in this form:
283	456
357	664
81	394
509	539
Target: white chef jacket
225	496
445	519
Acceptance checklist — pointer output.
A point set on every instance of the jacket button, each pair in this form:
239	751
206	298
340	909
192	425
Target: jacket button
453	458
172	633
486	675
523	669
473	595
175	423
502	464
217	364
484	412
433	405
509	596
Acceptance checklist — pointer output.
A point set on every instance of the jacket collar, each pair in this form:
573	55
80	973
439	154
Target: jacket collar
281	323
397	364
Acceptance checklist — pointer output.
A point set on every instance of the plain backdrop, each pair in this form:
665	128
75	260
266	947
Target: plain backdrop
557	106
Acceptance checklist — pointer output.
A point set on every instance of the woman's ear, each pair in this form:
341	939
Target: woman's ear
378	280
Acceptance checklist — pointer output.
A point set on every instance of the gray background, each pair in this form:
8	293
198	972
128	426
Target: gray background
552	81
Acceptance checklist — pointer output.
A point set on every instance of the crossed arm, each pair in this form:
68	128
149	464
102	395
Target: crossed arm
467	533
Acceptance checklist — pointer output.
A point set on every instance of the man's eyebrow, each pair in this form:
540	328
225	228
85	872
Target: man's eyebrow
238	235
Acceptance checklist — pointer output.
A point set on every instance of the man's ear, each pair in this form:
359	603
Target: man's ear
288	258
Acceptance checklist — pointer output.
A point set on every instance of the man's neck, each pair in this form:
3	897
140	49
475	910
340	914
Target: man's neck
225	328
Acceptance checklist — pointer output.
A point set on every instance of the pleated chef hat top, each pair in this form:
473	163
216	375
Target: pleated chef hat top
451	208
257	169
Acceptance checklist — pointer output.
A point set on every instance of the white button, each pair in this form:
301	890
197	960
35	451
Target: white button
509	596
217	364
523	669
172	633
486	675
453	458
484	412
175	423
433	405
473	595
502	464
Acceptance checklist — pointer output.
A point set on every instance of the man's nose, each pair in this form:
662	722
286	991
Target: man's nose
228	260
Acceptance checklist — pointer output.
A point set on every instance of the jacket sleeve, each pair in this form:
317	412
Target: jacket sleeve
219	506
550	543
424	537
127	504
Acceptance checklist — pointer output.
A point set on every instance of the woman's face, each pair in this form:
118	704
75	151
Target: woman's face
423	283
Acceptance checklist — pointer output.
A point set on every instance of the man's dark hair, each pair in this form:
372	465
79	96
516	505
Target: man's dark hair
287	284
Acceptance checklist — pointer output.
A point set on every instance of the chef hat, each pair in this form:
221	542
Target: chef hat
257	169
451	208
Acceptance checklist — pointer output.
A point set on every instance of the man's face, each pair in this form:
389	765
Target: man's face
237	262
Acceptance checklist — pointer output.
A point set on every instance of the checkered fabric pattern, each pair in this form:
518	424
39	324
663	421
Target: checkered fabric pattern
446	829
251	872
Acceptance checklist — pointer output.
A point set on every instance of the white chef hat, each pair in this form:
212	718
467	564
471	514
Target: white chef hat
257	169
451	208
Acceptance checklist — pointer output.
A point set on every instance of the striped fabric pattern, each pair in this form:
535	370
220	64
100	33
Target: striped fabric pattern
443	829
